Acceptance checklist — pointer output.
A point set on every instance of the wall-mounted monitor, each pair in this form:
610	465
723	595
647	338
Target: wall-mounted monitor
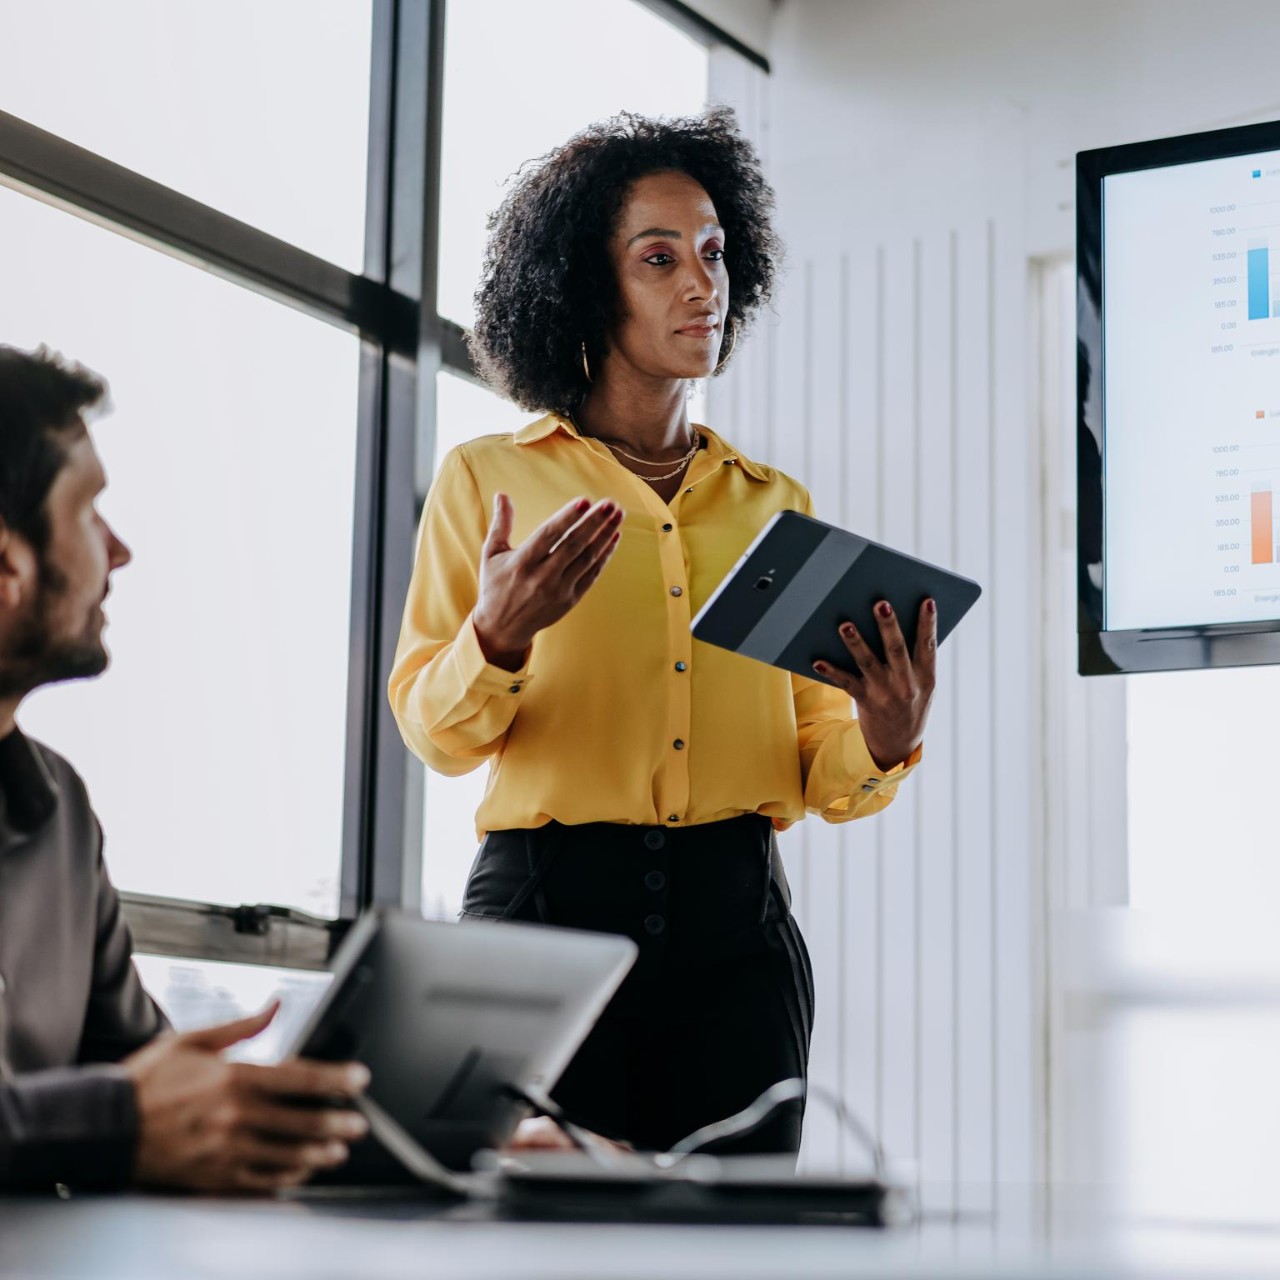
1178	402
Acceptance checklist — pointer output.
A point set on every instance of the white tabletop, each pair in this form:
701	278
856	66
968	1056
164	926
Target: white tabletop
137	1237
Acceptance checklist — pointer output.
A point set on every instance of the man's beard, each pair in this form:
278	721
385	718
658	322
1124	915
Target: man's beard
34	657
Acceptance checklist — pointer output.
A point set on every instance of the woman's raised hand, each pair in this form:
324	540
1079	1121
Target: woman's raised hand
526	588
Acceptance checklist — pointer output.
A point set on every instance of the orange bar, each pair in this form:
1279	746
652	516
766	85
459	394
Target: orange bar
1260	520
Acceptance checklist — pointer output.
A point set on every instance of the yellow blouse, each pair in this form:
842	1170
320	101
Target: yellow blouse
619	714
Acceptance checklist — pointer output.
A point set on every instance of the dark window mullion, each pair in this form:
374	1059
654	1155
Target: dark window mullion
58	172
701	28
382	859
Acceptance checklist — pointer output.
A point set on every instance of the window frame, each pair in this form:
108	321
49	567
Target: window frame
404	342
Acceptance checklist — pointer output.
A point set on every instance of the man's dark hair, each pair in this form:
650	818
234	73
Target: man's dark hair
42	398
548	282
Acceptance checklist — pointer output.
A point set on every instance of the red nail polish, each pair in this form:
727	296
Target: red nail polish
932	606
885	610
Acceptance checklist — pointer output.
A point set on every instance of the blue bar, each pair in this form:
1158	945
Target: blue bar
1259	280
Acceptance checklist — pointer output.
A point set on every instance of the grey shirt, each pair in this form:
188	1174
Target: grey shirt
71	1003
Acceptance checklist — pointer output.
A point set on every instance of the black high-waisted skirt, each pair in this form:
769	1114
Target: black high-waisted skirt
719	1005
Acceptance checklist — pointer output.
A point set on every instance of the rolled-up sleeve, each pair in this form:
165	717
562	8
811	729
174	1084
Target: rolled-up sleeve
75	1125
452	706
841	780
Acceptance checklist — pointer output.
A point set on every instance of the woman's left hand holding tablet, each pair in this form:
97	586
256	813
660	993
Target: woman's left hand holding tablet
893	696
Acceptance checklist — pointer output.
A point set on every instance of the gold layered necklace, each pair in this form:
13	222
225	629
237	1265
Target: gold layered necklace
645	462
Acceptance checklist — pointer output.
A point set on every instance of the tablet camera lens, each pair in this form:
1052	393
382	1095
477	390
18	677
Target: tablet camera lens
763	584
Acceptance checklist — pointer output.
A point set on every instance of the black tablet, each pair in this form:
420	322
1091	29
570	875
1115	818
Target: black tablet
455	1022
784	600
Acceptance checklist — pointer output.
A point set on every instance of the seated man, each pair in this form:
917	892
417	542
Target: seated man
95	1091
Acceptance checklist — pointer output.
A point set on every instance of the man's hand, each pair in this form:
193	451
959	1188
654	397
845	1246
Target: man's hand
527	588
206	1124
893	696
541	1133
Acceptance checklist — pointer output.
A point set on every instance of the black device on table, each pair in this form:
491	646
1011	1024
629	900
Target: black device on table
455	1023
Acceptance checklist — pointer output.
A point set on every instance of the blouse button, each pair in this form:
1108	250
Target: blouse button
673	817
677	591
678	744
680	666
666	528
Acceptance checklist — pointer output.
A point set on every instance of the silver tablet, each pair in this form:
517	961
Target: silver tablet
450	1018
784	600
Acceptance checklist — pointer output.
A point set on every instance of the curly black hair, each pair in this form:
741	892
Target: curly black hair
548	282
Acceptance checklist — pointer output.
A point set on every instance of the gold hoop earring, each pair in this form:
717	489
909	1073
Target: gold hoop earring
733	342
585	368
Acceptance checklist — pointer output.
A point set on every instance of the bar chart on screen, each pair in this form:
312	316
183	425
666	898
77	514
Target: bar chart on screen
1243	226
1246	225
1242	500
1191	437
1261	537
1262	288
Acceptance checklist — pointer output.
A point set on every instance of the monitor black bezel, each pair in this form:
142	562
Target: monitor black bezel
1152	649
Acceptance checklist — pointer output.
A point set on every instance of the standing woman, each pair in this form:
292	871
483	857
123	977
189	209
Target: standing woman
637	776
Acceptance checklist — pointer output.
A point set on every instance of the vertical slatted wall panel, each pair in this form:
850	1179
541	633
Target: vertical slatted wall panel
936	794
821	902
898	825
974	951
857	852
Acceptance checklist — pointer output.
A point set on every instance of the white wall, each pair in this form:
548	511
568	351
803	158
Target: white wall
923	153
